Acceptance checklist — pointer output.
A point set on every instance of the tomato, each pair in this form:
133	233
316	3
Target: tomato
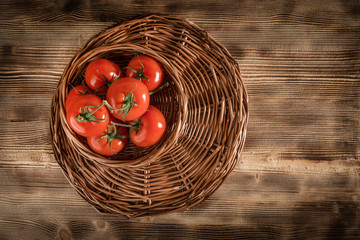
149	129
100	73
129	97
74	93
88	116
110	142
147	70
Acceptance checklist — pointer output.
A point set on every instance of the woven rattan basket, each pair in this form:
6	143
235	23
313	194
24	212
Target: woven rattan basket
205	107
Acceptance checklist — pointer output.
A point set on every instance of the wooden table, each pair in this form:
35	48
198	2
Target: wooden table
298	175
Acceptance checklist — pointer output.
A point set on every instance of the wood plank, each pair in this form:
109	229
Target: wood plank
303	104
281	34
100	11
249	161
303	107
266	204
98	229
40	158
245	24
298	176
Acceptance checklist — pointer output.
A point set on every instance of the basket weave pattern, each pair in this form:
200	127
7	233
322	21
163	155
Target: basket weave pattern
205	107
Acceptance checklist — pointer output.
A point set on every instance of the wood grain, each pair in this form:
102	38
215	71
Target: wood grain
264	201
290	95
298	176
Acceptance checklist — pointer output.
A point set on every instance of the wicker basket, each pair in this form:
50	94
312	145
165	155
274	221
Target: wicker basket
205	107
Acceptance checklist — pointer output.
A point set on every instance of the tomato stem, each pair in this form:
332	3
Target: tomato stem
122	125
112	134
159	88
107	82
139	74
89	116
86	91
126	106
135	125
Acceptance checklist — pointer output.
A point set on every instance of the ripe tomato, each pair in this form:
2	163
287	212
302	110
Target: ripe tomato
147	70
110	142
100	73
88	115
74	93
149	129
129	97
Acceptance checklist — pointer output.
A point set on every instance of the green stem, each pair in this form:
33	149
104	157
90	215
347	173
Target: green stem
92	113
107	82
89	116
122	125
139	74
81	93
159	88
135	125
126	106
112	134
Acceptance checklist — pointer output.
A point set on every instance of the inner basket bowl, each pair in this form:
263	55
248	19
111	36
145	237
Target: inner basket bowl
205	106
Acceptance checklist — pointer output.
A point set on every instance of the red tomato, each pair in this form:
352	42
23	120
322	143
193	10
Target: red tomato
147	70
88	116
110	142
74	93
149	129
130	97
100	73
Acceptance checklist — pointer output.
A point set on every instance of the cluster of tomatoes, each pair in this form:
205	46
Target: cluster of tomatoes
111	107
